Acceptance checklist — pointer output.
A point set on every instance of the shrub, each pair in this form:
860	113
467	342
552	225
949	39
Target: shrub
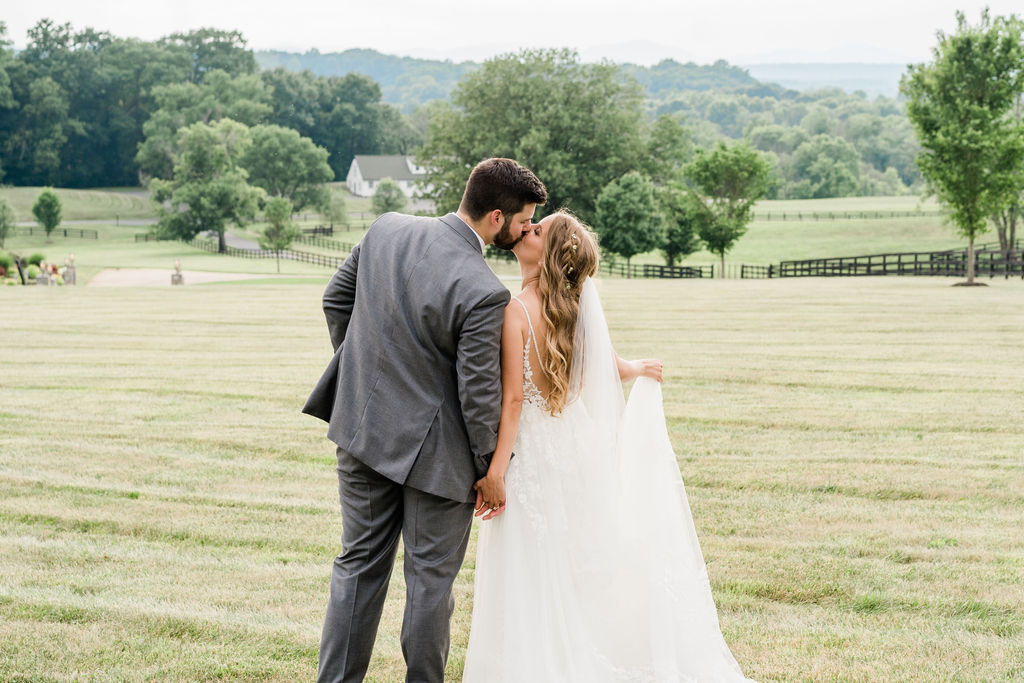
6	261
32	272
36	259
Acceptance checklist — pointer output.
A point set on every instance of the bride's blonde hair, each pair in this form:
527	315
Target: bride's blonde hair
570	256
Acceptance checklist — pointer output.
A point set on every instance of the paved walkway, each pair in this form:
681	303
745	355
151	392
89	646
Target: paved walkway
161	277
236	241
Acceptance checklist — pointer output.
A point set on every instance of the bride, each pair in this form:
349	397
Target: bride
588	568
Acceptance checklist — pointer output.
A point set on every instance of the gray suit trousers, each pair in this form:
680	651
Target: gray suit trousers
435	532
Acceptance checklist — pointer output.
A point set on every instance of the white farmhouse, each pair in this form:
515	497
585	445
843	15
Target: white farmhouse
369	169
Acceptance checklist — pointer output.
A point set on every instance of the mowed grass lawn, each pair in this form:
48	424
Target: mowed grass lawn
853	451
127	203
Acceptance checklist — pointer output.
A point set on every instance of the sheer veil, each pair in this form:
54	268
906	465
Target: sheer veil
594	379
655	571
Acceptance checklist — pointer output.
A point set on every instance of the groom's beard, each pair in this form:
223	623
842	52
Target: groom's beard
505	239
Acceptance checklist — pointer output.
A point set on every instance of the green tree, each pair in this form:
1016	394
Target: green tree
220	96
280	231
817	122
1006	226
7	219
337	210
293	99
286	164
680	227
667	149
398	135
47	210
825	166
388	197
726	183
777	138
348	119
209	188
34	148
105	82
211	49
342	114
7	101
960	105
629	219
577	126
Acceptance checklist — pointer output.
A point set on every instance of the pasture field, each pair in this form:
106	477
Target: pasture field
852	450
116	248
901	203
773	241
767	240
78	205
770	239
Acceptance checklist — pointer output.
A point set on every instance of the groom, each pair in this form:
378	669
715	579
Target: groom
413	398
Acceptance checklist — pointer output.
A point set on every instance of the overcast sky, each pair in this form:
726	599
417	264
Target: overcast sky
643	31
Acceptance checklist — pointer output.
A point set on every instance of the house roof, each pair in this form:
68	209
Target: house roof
377	166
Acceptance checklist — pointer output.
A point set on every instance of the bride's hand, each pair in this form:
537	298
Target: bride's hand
490	496
648	367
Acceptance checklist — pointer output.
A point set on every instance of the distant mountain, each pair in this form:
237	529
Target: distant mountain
408	81
872	79
669	76
404	81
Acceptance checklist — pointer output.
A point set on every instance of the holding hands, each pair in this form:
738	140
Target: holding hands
490	495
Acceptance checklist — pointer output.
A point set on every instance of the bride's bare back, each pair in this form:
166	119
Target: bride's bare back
533	321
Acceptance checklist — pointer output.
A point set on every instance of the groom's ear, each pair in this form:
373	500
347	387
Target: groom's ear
495	217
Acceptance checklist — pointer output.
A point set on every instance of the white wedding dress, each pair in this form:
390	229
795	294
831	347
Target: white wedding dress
593	573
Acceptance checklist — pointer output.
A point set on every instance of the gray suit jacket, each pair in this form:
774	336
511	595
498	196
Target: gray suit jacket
414	387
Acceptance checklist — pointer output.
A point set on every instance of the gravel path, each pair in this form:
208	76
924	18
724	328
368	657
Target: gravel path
161	277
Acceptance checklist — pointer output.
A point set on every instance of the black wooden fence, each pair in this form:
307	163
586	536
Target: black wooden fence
840	215
647	270
289	254
758	272
988	261
936	263
325	243
58	232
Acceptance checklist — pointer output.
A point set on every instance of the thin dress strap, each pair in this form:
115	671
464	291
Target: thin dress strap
531	393
530	323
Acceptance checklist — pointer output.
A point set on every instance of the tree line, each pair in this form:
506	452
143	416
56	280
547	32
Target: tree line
582	128
650	163
824	143
85	109
88	109
653	184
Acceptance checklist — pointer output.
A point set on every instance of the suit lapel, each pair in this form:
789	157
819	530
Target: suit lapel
463	230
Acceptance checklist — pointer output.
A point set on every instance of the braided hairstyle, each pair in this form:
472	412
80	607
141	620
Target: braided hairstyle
570	256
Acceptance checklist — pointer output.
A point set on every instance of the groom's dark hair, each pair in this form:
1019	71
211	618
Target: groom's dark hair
502	184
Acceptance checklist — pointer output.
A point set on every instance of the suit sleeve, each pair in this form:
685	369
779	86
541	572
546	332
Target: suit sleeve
340	297
478	364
